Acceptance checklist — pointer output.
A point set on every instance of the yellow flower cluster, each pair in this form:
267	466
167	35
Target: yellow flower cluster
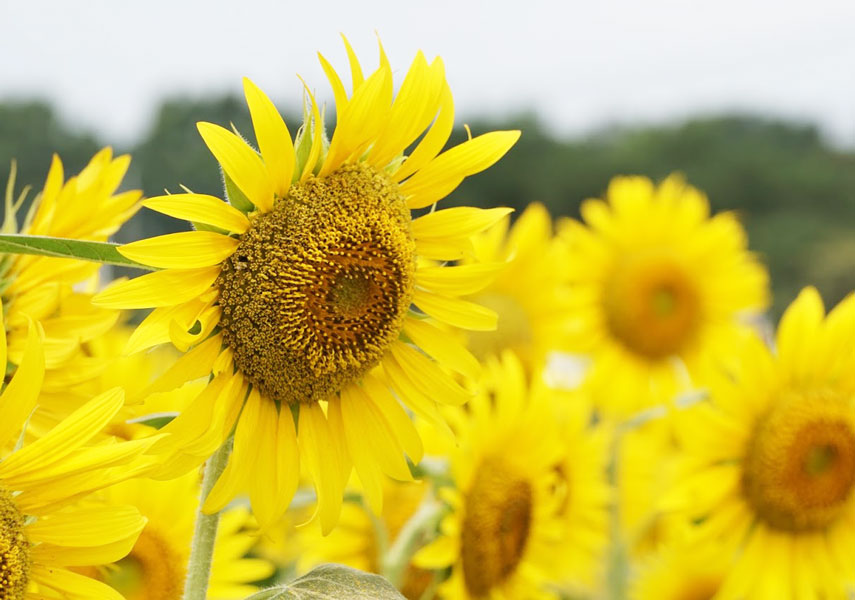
471	406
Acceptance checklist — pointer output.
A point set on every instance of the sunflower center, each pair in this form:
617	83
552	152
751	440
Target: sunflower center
498	513
513	330
699	588
318	288
652	305
152	570
800	468
14	550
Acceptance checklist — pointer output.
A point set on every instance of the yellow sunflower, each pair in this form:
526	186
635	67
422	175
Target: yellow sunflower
530	294
682	571
85	207
660	289
293	305
527	514
49	525
770	462
155	567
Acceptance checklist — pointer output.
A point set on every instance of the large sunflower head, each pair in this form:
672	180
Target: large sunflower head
86	206
525	521
300	295
659	286
49	522
770	463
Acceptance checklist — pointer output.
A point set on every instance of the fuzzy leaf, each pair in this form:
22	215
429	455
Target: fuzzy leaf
105	253
332	582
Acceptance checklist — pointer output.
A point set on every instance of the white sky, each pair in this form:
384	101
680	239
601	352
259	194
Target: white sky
580	64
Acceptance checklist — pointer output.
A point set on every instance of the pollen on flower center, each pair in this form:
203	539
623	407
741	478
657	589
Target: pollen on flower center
800	468
14	550
496	526
151	570
652	305
318	288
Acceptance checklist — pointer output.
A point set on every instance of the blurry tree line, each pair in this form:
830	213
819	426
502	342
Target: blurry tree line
794	192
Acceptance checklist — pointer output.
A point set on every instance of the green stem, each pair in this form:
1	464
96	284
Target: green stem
202	550
105	253
411	536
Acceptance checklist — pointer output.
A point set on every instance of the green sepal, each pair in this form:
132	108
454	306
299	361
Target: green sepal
236	197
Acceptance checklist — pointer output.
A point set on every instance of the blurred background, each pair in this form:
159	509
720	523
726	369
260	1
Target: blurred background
753	101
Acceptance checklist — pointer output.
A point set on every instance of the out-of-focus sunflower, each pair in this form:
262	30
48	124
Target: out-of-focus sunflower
770	463
529	294
294	305
524	517
681	571
360	538
85	207
155	567
660	289
49	525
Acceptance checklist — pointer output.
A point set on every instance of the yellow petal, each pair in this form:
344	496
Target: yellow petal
460	280
364	458
192	365
184	250
439	554
423	405
355	68
427	376
200	208
71	433
326	460
274	139
241	164
433	141
87	526
457	222
442	347
162	288
276	467
20	396
72	586
398	419
457	312
339	93
445	172
375	436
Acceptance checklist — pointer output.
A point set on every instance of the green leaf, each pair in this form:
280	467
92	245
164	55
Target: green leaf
332	582
105	253
236	197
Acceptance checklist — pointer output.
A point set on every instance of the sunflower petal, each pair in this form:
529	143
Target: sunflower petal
457	312
161	288
184	250
200	208
274	139
240	162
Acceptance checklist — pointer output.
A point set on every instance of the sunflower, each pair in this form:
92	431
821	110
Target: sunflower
681	571
770	463
521	522
155	567
529	294
660	289
360	538
49	525
85	207
301	308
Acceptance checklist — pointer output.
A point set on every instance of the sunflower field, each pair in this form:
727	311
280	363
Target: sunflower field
342	377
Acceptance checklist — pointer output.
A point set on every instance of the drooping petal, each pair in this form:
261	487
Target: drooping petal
162	288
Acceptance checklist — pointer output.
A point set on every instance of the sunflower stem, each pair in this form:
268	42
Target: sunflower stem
411	537
205	534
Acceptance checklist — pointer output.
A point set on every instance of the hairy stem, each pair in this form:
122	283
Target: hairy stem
202	550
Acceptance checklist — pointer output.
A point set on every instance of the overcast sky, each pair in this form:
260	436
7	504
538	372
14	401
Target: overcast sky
581	65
